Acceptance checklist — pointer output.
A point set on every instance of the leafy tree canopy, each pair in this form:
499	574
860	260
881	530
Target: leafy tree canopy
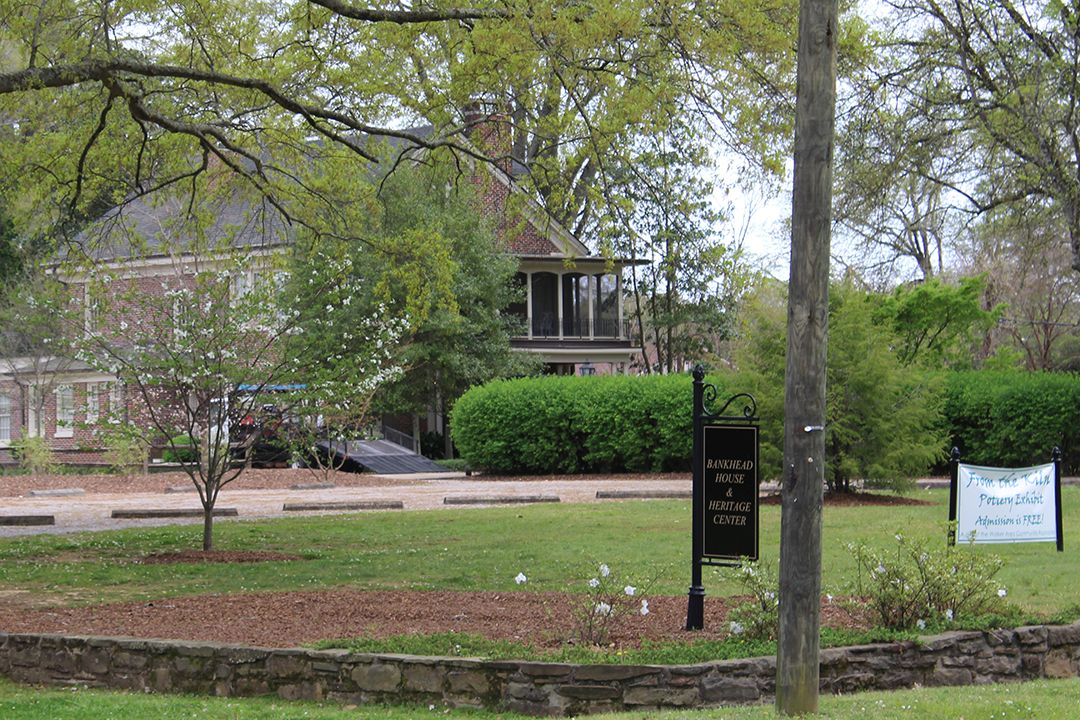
883	417
102	103
937	323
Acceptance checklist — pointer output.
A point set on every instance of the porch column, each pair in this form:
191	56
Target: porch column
528	304
558	295
618	303
592	305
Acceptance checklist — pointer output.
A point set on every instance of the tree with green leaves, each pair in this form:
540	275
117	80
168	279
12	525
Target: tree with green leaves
1001	73
883	420
432	256
101	105
893	203
204	322
937	323
683	298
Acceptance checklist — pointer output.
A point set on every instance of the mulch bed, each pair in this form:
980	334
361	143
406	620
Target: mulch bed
288	619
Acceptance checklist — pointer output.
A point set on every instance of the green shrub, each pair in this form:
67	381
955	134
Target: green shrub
34	455
577	424
883	419
757	619
180	450
1014	419
125	450
913	586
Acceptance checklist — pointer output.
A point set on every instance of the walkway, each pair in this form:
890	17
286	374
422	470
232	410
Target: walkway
428	491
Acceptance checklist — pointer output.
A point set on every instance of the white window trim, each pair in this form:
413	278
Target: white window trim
93	403
90	311
116	402
67	429
6	441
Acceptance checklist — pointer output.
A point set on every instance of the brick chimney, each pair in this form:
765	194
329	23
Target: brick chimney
489	130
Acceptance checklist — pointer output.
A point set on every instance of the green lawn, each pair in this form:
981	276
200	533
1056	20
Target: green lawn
557	547
1044	700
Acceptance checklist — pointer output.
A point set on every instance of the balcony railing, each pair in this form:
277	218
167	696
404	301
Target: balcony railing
547	326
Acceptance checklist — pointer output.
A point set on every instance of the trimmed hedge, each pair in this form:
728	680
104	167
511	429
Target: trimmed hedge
577	424
643	424
1014	419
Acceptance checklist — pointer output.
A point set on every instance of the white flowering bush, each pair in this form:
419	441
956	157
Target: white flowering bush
758	617
224	349
609	597
911	586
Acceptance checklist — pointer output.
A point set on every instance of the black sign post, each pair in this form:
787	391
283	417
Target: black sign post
725	504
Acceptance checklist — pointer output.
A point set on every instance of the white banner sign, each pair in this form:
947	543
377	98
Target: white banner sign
1001	505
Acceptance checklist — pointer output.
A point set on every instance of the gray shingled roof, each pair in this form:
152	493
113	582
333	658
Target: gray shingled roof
159	225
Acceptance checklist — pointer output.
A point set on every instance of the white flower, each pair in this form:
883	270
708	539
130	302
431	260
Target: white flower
879	570
921	624
594	582
629	589
1002	592
605	570
949	614
899	537
736	628
520	578
644	607
828	598
602	608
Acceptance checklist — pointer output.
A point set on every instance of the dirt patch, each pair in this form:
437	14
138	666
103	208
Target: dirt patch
856	499
287	619
217	556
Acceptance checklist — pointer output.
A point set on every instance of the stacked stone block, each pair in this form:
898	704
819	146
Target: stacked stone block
958	658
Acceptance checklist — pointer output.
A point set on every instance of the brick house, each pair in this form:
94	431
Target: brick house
572	310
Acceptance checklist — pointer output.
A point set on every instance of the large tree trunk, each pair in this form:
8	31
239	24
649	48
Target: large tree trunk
797	672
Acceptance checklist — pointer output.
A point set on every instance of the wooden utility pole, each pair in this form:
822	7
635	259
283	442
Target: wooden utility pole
797	670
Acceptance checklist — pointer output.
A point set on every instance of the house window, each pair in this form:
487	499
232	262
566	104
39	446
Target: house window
575	305
116	402
90	310
5	419
241	283
65	411
606	307
518	308
545	304
93	403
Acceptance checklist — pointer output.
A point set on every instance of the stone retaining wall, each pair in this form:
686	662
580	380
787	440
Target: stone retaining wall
958	658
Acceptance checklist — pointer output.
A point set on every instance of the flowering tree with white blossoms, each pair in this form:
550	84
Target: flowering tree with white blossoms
220	337
342	356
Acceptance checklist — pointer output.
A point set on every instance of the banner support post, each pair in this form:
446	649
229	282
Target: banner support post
1055	456
954	480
